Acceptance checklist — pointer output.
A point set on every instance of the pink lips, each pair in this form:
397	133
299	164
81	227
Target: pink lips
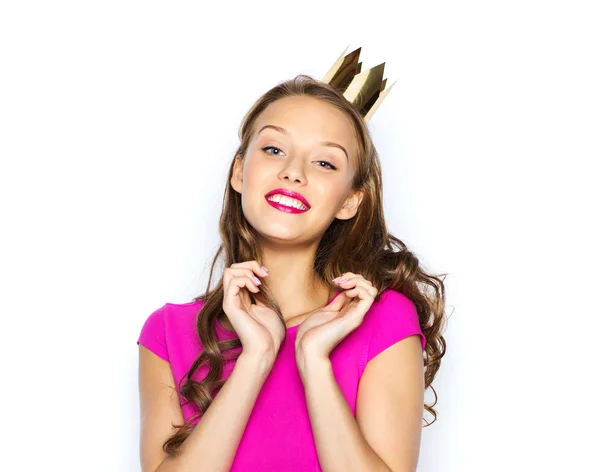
287	193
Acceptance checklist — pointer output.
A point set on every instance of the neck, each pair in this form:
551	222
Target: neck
295	286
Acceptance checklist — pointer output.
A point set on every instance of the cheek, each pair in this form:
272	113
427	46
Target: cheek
262	173
258	178
332	196
251	171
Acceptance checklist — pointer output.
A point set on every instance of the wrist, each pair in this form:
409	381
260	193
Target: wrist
258	364
313	367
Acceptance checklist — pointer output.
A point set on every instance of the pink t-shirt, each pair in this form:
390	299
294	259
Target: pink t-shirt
278	435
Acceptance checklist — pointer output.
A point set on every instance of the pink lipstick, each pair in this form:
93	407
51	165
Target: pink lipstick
287	201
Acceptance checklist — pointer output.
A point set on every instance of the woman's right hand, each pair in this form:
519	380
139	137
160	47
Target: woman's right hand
258	327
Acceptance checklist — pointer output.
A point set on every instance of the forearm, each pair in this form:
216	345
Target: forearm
212	444
339	441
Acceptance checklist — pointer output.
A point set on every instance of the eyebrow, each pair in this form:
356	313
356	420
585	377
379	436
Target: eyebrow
287	133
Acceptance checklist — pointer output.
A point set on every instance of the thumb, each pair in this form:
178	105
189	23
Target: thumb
338	302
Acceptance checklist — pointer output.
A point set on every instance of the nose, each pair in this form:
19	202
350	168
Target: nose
293	170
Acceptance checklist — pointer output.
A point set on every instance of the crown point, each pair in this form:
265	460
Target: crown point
363	88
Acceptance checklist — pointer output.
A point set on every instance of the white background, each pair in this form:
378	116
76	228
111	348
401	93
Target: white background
118	121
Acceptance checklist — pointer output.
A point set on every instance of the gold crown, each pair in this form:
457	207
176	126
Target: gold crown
364	89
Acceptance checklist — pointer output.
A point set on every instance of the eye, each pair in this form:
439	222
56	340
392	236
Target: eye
275	148
271	147
331	166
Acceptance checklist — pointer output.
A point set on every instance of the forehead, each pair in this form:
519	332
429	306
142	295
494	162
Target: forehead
310	119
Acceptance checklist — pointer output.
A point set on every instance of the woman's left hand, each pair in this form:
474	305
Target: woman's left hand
320	332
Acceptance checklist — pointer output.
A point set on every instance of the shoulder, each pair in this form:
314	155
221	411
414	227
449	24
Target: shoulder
392	308
177	316
166	323
393	299
390	319
170	313
183	306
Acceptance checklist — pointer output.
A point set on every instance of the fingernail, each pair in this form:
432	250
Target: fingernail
257	281
341	281
335	280
265	270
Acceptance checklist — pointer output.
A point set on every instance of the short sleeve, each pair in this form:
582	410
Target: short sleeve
152	335
395	319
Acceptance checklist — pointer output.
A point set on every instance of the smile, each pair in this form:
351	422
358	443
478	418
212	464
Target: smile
286	204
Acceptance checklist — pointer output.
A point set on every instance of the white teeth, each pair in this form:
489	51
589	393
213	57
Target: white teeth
287	201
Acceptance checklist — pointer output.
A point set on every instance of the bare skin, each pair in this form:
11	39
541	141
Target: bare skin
322	174
290	321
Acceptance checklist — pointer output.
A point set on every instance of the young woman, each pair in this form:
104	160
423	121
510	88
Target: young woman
314	349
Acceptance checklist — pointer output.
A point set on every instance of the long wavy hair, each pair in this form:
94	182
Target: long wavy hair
361	244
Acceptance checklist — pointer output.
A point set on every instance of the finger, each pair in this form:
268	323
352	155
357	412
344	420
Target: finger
345	323
244	272
354	282
365	298
234	299
372	291
360	291
254	266
350	275
345	276
337	303
244	281
234	296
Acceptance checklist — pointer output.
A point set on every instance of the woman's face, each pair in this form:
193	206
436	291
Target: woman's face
286	153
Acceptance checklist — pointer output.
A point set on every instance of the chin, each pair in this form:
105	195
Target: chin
277	232
279	235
